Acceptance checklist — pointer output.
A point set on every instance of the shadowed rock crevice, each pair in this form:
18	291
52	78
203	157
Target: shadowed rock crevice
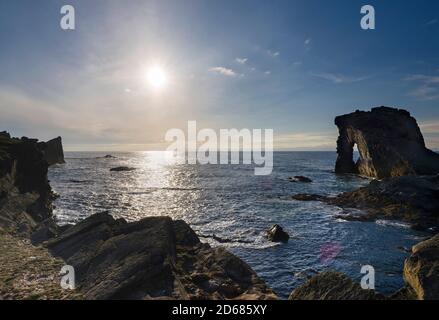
389	142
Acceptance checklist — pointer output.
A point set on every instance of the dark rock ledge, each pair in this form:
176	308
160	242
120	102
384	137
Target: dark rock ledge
113	259
412	199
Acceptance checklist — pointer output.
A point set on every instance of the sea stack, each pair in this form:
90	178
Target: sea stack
53	151
389	141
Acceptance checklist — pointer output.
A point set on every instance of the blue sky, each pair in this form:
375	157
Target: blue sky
288	65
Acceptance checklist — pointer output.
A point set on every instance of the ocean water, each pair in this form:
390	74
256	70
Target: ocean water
232	204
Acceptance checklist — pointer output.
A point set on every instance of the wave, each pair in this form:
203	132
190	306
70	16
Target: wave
391	223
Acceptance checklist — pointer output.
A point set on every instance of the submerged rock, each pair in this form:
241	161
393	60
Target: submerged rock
300	179
119	169
308	197
421	269
332	286
277	234
152	258
389	141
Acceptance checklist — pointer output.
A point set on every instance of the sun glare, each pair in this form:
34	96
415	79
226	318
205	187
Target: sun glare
156	77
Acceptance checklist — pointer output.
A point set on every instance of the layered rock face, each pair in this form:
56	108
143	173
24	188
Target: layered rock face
25	193
53	151
150	259
421	269
389	141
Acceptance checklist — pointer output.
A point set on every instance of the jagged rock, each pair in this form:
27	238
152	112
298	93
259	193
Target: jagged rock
277	234
53	151
421	269
26	196
152	258
412	199
119	169
332	286
389	141
300	179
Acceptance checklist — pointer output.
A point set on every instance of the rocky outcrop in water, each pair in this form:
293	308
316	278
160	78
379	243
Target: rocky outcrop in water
277	234
412	199
122	169
53	151
300	179
389	142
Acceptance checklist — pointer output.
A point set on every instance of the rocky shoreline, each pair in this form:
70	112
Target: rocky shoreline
411	199
391	148
154	258
160	258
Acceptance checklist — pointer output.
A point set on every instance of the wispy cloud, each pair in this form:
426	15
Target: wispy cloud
428	87
339	78
241	60
306	141
268	72
307	42
224	71
273	54
432	22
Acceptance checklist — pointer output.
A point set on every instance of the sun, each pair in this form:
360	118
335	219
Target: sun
156	77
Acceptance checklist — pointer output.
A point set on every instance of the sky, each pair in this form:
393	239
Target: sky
291	66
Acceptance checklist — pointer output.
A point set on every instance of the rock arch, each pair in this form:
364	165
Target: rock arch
389	142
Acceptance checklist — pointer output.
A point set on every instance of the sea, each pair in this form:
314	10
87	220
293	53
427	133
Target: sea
229	206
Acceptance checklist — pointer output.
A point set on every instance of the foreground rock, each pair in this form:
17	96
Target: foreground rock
277	234
421	269
412	199
53	151
152	258
389	141
332	286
